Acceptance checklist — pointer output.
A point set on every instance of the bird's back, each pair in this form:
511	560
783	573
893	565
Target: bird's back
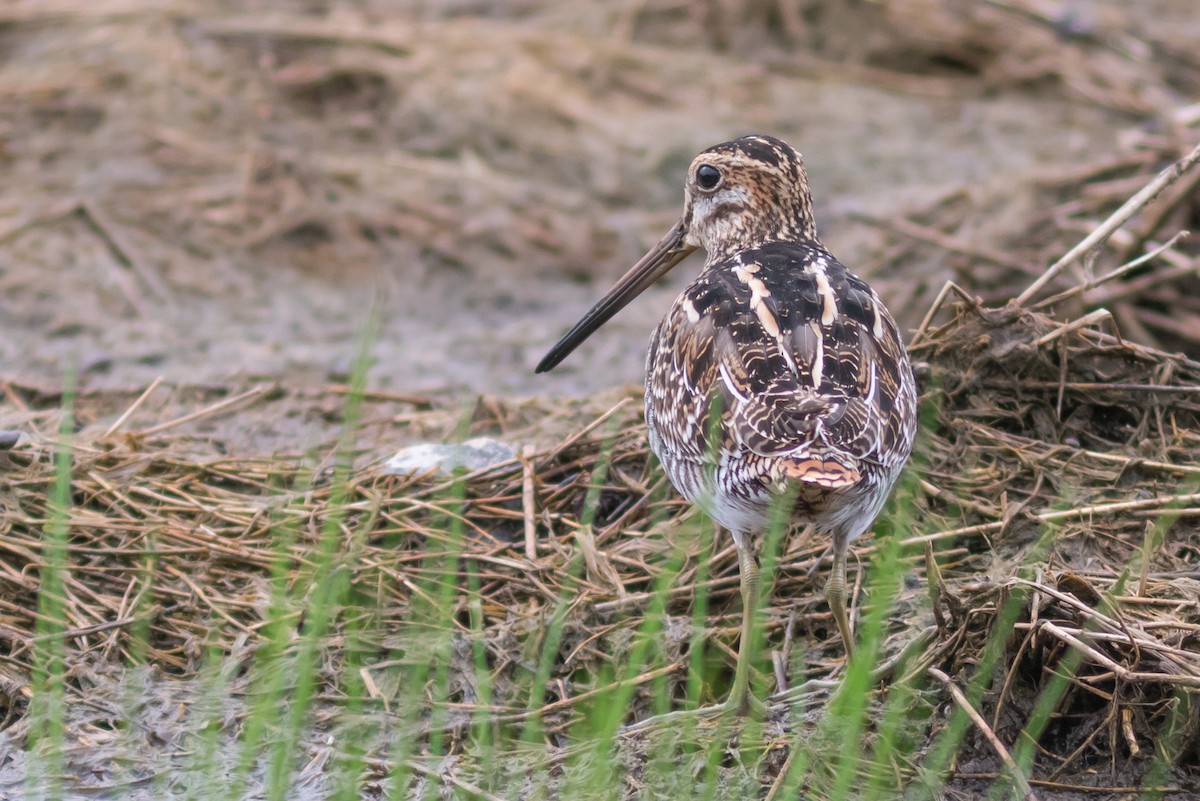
809	376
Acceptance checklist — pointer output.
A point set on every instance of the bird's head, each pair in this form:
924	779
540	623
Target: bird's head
744	193
738	195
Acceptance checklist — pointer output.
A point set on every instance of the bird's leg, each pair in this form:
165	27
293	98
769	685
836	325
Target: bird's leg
835	593
740	699
748	573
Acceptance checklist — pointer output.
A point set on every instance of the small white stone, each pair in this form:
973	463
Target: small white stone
471	454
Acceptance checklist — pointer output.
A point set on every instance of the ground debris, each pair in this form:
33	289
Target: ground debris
196	192
1047	444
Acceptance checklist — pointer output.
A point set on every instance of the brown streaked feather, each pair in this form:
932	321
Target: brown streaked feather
792	388
777	369
824	472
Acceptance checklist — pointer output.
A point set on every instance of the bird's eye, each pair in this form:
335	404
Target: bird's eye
707	176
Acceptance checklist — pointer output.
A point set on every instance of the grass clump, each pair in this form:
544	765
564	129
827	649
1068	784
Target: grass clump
311	624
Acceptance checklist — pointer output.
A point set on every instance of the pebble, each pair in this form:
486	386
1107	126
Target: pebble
471	454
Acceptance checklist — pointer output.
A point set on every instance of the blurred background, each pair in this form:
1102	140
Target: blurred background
212	191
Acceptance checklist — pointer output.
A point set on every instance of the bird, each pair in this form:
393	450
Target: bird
776	376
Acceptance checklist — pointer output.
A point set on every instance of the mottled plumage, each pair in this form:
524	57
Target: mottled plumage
797	355
809	391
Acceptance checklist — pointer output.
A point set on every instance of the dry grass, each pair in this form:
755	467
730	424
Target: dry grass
1047	442
1056	486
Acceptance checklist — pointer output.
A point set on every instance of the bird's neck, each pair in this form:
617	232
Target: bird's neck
726	251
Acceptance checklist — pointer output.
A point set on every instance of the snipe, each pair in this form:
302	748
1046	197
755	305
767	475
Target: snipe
796	355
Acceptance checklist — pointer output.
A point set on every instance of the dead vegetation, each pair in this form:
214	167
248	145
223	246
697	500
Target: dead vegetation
1155	306
1051	444
1057	485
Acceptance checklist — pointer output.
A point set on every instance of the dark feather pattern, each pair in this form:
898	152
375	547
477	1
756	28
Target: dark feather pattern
809	375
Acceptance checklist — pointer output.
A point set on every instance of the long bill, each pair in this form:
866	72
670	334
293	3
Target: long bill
669	251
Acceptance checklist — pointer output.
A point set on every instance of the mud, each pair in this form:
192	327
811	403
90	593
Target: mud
215	196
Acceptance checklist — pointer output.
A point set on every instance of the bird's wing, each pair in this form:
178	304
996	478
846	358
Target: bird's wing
799	356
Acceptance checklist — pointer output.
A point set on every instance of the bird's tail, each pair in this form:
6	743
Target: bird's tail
823	472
